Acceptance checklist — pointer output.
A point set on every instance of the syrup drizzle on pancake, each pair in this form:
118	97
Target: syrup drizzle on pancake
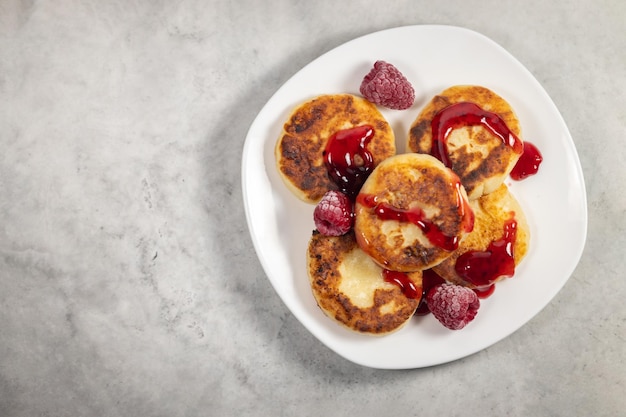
347	159
468	114
483	268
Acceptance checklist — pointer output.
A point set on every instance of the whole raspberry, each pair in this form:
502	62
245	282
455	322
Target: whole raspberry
453	305
386	86
333	214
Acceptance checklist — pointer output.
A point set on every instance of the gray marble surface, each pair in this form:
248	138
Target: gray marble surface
129	285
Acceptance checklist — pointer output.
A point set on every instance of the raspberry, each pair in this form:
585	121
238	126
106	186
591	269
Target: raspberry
453	305
386	86
333	214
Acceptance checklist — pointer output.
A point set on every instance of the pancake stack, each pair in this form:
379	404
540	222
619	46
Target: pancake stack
442	206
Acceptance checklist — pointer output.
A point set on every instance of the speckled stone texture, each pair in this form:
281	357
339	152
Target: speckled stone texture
129	285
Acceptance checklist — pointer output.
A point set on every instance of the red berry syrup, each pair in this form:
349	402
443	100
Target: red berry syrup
430	279
482	268
403	281
528	163
347	159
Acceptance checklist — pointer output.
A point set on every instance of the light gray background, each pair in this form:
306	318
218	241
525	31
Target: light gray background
128	281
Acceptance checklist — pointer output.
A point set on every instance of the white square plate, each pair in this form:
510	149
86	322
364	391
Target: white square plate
432	58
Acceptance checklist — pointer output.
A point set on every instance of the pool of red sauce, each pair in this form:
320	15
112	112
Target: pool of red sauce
347	159
528	163
483	268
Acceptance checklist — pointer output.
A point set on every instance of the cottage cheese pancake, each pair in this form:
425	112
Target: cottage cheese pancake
350	289
300	149
494	248
473	131
411	213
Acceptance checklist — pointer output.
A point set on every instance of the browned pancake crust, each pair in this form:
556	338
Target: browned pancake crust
480	172
390	309
406	181
491	212
299	149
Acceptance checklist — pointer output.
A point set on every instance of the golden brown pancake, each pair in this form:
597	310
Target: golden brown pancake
420	186
480	158
491	213
350	289
299	149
